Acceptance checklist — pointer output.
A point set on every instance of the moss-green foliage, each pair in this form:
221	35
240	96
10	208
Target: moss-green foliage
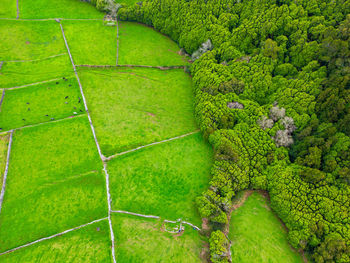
91	42
133	107
141	45
8	9
262	240
26	40
295	54
21	73
163	179
54	182
57	9
218	247
143	240
41	103
88	244
4	139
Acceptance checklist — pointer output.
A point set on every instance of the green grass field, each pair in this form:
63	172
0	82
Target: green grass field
4	139
133	107
141	45
89	244
143	240
40	103
91	42
257	235
58	9
14	74
162	180
50	186
27	40
8	9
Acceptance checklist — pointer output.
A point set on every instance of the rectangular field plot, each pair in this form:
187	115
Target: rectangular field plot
23	73
27	40
162	180
144	240
142	45
58	9
88	244
54	182
91	42
133	107
41	103
4	141
257	235
8	9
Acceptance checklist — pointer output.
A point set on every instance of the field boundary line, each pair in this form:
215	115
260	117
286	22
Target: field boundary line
130	66
46	122
2	194
51	19
151	144
52	236
35	83
33	60
97	145
17	17
2	97
155	217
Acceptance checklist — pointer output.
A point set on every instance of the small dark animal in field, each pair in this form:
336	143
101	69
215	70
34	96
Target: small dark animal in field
66	97
75	108
81	111
57	82
47	115
79	99
28	109
0	129
70	85
27	102
23	119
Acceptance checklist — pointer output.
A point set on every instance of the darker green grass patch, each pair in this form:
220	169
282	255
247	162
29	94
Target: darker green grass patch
142	45
257	235
144	240
58	9
88	244
50	186
133	107
162	180
22	73
27	40
91	42
41	103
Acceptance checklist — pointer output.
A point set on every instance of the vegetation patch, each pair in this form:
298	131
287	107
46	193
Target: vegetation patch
88	244
142	45
41	103
257	235
23	73
57	9
144	240
8	9
27	40
50	186
131	107
162	180
4	141
91	42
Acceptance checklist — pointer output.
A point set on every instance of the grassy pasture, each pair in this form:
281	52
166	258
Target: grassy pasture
91	42
88	244
162	180
4	140
8	9
58	9
133	107
22	73
50	185
142	45
258	236
27	40
30	105
142	240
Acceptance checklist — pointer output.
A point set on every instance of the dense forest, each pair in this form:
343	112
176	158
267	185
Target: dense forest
273	98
